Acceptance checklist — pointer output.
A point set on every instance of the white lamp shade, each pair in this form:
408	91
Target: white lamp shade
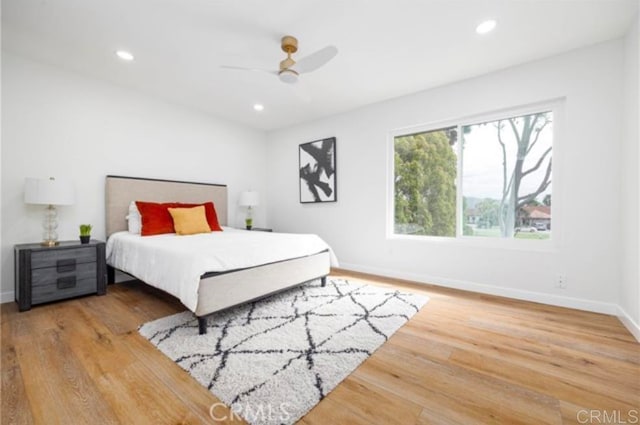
49	192
249	199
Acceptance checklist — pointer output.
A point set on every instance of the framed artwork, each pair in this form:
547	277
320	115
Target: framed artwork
317	165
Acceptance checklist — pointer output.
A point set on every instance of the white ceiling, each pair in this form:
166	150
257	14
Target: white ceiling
386	48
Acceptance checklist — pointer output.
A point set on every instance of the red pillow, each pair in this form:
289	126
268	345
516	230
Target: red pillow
156	219
209	211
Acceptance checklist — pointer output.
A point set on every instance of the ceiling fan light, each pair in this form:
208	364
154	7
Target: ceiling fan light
288	76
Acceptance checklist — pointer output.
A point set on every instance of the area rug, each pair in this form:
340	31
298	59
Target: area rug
272	360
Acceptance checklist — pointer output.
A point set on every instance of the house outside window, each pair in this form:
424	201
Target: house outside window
487	177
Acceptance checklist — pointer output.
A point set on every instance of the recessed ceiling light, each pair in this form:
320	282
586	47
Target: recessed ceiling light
124	55
486	26
258	107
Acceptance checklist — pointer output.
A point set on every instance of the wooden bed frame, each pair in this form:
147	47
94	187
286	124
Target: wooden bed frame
217	291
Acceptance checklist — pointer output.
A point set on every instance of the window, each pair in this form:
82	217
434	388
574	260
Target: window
482	178
425	183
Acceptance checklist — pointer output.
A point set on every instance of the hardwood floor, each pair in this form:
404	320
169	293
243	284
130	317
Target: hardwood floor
465	358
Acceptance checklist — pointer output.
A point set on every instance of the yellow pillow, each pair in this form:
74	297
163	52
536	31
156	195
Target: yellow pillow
189	221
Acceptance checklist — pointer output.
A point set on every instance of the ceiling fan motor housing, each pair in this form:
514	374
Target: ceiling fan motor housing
287	63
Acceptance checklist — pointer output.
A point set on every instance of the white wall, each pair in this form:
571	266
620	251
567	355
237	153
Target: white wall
630	289
56	123
2	298
586	184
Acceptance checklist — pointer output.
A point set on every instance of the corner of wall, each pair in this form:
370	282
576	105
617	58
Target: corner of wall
7	297
629	301
629	323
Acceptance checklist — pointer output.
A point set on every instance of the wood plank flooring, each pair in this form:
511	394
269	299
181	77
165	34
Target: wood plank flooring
465	358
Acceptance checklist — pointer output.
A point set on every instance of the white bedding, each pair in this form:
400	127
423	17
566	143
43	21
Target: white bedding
175	263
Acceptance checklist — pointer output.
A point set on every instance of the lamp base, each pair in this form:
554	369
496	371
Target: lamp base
50	224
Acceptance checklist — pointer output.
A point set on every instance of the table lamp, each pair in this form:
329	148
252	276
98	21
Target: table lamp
249	199
50	192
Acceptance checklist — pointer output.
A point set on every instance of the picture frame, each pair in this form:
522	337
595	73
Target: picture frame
317	171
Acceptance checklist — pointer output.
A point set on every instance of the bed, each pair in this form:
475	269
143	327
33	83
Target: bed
216	290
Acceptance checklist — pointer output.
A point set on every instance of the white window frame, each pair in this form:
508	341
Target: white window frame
556	107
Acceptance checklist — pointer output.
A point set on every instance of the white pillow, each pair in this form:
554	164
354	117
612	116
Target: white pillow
134	218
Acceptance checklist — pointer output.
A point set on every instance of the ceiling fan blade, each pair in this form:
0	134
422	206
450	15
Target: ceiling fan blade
242	68
315	60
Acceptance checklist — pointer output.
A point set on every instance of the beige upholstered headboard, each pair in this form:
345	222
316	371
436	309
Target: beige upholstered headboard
120	191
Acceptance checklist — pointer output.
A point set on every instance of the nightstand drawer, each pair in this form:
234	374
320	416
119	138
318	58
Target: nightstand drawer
61	257
63	287
51	275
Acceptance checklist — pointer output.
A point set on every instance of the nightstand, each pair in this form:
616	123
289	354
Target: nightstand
71	269
260	229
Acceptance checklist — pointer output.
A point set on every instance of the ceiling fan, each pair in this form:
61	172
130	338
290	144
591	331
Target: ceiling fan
290	69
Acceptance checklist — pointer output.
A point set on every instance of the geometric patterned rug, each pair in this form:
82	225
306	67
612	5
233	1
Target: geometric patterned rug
274	359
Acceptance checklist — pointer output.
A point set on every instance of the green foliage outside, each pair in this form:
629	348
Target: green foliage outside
425	192
489	212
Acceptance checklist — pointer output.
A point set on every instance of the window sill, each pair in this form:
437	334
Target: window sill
548	245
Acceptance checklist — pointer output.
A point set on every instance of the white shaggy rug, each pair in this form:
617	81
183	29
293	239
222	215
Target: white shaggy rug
272	360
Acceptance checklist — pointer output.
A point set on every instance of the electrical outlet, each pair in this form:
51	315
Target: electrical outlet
561	281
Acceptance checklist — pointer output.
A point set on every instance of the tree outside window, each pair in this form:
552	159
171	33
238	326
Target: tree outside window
425	175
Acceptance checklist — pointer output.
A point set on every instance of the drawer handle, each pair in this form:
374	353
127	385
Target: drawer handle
66	282
66	265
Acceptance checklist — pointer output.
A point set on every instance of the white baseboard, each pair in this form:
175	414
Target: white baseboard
629	323
7	297
557	300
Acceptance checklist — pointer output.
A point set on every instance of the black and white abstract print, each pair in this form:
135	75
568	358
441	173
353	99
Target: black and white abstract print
317	162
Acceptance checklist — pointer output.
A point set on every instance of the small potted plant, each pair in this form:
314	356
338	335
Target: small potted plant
249	223
85	233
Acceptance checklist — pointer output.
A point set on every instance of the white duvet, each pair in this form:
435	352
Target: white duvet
175	263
